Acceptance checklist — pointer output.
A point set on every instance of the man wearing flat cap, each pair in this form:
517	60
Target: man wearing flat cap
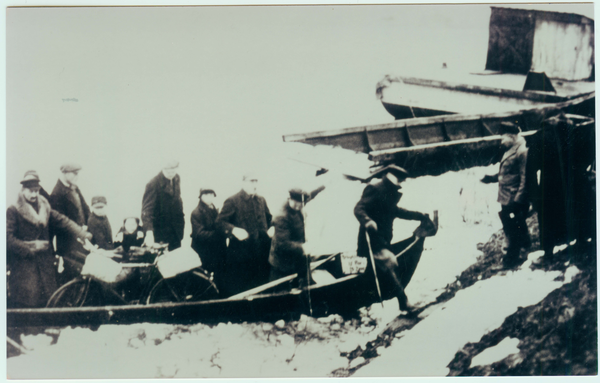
245	220
162	208
30	260
67	199
512	193
207	240
288	255
376	212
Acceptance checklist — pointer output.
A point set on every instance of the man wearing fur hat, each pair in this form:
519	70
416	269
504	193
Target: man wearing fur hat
66	198
207	240
32	278
162	208
376	212
512	193
288	255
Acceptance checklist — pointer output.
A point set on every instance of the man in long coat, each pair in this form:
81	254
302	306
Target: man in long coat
207	240
32	278
162	208
246	221
376	211
512	193
287	255
67	199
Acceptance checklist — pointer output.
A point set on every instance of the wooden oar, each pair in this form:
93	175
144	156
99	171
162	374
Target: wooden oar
373	264
277	282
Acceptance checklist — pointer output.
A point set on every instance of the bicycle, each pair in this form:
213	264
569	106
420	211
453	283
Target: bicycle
143	276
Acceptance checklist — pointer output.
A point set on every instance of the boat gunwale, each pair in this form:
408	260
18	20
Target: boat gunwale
544	97
423	121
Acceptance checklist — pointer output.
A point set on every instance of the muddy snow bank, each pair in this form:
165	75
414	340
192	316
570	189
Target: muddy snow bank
427	349
307	347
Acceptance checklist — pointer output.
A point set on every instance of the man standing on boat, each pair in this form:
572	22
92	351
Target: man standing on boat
162	208
288	255
32	277
67	199
376	211
512	193
246	221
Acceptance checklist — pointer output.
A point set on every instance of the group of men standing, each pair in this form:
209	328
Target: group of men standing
243	245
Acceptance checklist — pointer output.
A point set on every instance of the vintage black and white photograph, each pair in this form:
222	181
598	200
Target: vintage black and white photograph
301	191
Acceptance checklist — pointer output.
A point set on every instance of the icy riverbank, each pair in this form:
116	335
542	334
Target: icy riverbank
308	347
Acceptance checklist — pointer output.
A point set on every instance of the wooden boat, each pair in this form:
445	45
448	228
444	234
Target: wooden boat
342	294
456	117
427	146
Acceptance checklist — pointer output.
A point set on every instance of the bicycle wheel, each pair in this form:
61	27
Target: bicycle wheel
71	294
188	287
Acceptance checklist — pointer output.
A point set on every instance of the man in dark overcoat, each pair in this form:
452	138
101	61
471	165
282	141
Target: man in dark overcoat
67	199
30	260
246	221
376	211
512	192
287	255
207	240
162	208
99	225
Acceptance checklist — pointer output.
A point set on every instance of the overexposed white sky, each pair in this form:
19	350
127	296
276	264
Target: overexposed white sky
215	87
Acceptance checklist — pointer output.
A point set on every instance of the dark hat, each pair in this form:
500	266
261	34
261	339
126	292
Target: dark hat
70	167
30	179
207	191
399	172
98	199
296	194
509	128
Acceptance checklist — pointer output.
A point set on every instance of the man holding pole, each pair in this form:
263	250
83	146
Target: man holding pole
376	211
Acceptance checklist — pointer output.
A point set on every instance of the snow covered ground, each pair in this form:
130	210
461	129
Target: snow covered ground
313	347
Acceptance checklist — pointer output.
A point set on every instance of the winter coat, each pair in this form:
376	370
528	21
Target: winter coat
162	209
287	254
246	263
207	240
512	175
32	277
379	203
63	200
101	231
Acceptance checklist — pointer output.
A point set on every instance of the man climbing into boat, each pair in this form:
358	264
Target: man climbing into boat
512	193
32	278
288	253
376	211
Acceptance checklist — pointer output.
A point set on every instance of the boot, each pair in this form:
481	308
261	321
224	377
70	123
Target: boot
403	302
